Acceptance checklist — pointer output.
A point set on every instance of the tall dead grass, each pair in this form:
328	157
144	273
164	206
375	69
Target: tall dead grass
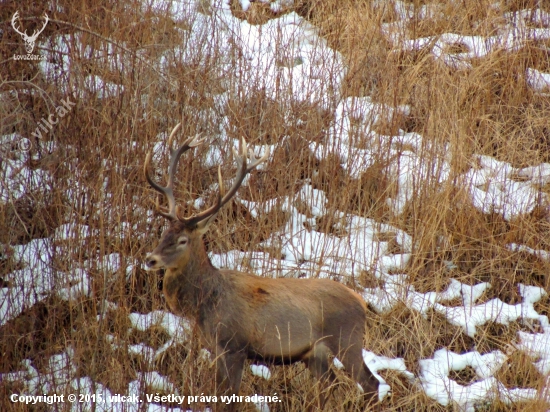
486	110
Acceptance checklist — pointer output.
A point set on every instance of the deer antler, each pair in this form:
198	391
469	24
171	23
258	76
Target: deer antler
242	170
37	32
24	34
175	155
13	19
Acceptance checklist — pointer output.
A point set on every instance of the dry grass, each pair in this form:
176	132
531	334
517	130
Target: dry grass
488	109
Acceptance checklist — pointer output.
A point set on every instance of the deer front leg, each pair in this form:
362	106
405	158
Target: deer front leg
229	371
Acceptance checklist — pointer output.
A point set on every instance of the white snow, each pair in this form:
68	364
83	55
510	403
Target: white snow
260	370
286	57
538	80
437	385
493	188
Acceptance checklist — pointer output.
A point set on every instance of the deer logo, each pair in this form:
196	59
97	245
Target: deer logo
30	41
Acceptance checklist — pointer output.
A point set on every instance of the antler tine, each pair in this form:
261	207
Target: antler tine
165	190
13	20
46	20
256	160
171	137
168	190
242	171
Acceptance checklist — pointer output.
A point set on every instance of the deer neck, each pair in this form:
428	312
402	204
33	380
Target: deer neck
195	288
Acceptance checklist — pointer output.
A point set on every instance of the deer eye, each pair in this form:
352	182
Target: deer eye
182	241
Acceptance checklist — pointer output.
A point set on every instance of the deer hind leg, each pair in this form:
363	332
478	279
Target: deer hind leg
318	363
352	359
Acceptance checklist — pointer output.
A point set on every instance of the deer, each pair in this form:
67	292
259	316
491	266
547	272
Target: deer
243	316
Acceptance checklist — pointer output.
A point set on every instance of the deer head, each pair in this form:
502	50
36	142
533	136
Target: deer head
30	41
184	235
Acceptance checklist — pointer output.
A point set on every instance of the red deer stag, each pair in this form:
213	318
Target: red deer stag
243	316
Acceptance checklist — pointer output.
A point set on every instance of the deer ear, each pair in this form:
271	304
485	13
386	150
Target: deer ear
203	225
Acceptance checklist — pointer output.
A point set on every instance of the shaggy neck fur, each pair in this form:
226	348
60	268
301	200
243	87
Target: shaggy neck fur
195	289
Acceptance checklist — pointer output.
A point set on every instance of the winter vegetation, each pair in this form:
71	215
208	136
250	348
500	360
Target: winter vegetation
409	159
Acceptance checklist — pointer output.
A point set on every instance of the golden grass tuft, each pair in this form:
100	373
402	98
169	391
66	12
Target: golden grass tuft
488	109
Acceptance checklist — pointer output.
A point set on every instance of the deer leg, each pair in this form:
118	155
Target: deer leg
229	371
352	359
318	364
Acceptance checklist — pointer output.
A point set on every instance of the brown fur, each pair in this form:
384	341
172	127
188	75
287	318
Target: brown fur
243	316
